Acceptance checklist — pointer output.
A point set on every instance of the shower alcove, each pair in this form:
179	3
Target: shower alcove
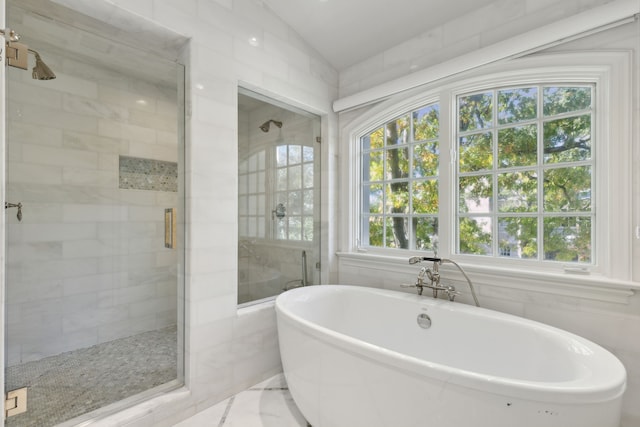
278	197
94	270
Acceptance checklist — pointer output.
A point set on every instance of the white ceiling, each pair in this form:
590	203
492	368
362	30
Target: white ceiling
346	32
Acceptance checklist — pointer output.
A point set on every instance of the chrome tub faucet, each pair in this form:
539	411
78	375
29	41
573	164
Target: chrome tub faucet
433	275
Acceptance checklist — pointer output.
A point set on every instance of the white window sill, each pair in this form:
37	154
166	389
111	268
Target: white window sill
591	286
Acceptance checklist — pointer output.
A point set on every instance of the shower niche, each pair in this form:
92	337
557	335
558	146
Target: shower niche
278	197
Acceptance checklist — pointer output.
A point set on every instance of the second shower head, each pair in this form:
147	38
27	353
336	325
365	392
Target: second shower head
267	125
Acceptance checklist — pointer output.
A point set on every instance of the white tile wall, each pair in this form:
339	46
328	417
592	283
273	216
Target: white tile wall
87	264
226	351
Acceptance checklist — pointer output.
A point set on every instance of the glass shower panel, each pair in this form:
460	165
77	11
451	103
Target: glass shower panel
93	269
278	197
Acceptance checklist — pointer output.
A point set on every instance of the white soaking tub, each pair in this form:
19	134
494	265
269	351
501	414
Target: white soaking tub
357	357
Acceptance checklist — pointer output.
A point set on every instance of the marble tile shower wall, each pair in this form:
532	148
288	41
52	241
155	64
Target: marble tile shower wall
226	350
87	264
262	253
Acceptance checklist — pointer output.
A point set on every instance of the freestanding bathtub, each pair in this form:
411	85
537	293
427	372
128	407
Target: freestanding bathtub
364	357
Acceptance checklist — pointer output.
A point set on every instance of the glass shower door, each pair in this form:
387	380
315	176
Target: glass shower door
94	183
278	197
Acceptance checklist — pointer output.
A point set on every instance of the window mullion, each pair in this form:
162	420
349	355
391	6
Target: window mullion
494	197
410	146
271	190
447	178
384	183
540	171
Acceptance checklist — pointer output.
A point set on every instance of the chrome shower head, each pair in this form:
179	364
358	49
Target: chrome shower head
267	125
41	71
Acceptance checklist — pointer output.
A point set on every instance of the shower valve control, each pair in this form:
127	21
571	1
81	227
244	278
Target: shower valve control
279	212
15	205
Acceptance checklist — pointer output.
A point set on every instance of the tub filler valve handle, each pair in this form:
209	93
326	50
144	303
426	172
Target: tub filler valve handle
416	285
451	292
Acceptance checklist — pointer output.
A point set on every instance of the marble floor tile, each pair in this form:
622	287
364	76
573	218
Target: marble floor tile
268	404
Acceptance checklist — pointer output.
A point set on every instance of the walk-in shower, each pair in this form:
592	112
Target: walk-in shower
94	186
278	197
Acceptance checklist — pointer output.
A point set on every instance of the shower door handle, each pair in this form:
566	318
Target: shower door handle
15	205
170	228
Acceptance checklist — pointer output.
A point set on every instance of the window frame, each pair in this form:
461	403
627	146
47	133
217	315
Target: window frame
410	146
540	166
279	195
608	71
267	189
259	215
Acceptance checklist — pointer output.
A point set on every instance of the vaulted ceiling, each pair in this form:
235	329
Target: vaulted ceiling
346	32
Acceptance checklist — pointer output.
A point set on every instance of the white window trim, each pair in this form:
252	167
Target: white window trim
611	71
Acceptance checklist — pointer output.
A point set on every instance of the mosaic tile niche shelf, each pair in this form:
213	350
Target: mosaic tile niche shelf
147	174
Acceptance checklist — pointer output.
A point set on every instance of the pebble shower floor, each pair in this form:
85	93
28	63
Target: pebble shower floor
70	384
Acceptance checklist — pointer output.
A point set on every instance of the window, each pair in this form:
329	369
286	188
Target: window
294	189
400	182
251	195
292	196
524	173
528	171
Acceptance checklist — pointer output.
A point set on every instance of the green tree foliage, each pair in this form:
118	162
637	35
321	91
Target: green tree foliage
566	140
477	235
400	171
509	139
